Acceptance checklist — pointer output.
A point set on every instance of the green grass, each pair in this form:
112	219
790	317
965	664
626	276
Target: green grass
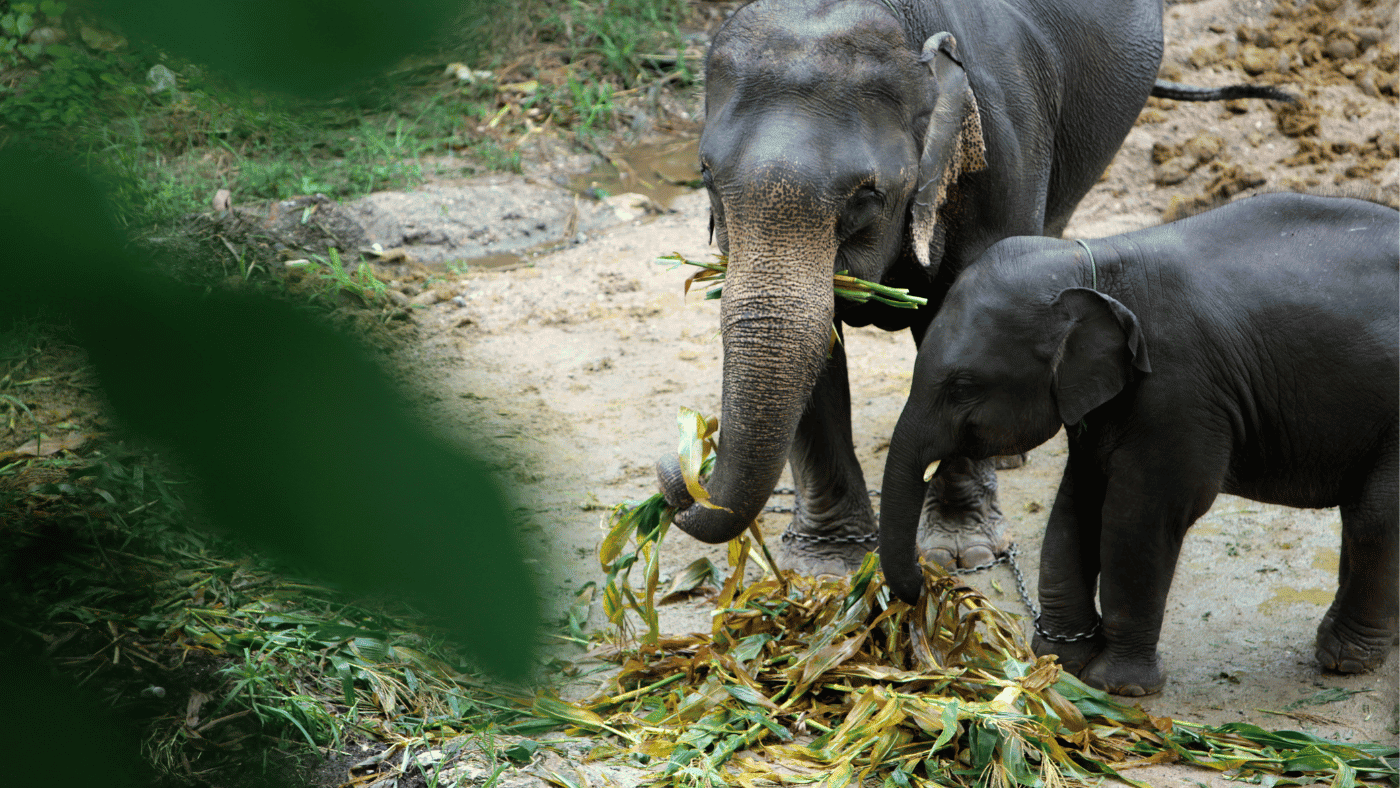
214	653
167	151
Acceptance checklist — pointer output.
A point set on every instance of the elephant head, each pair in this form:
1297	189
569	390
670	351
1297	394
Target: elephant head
1004	364
826	129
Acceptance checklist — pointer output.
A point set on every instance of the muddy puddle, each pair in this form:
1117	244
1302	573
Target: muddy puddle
660	170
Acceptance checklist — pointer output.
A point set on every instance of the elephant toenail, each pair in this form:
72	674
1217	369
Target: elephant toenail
976	556
942	557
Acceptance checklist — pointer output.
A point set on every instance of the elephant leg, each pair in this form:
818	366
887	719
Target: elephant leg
1068	626
1150	501
833	524
1360	627
961	524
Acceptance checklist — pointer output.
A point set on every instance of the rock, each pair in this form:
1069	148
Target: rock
1204	147
1174	171
1256	61
630	205
426	298
1163	153
1366	83
1388	144
1367	37
1341	49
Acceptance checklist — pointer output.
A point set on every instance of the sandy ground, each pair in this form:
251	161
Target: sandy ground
572	365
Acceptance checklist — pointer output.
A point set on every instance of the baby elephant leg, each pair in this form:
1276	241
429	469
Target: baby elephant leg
1359	629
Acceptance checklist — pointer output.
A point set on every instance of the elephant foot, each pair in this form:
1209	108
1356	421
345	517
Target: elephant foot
1009	462
1133	679
1073	652
962	525
1344	646
818	554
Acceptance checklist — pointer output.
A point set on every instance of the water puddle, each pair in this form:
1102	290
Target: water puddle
660	170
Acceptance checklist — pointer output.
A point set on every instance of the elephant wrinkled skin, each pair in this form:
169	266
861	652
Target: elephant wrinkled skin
1250	350
896	140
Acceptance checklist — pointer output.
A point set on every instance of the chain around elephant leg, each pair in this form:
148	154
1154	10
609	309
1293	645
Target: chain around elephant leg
962	524
833	543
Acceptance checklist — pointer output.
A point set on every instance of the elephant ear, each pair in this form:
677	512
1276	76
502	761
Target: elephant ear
1101	344
952	145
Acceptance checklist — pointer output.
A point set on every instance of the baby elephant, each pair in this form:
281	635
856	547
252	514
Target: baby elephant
1250	350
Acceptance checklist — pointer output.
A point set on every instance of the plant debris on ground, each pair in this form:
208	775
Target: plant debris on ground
217	653
804	680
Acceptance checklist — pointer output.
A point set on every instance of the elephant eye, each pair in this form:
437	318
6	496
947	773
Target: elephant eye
962	390
862	209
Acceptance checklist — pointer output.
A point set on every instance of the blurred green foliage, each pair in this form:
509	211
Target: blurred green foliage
296	439
165	129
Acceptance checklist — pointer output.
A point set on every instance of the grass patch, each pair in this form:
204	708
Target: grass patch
218	657
168	133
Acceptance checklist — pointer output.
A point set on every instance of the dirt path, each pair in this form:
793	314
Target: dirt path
574	367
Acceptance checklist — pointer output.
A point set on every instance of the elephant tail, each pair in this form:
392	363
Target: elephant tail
1180	92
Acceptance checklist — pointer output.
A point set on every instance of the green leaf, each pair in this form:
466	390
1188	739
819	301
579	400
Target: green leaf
522	751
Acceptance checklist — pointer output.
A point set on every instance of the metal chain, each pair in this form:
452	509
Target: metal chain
790	534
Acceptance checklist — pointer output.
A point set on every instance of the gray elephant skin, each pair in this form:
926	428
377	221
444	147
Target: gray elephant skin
1249	350
896	140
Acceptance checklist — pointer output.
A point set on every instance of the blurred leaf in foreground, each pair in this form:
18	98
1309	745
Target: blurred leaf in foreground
299	442
309	47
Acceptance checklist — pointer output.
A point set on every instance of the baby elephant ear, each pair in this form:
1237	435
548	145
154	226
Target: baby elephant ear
952	144
1101	342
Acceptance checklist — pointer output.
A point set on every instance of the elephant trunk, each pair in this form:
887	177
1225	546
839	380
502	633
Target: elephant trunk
901	505
776	322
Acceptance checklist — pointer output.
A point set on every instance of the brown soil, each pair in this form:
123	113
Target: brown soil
579	362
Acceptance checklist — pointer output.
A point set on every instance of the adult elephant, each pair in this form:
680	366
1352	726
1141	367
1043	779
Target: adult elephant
896	140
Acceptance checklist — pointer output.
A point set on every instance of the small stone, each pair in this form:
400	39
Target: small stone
1173	172
1341	49
1388	144
1204	147
1366	83
1163	153
1256	61
1367	37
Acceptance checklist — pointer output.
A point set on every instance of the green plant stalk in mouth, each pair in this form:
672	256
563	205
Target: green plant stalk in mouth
848	287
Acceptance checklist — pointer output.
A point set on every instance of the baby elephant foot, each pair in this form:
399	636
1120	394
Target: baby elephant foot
962	525
1119	677
1346	647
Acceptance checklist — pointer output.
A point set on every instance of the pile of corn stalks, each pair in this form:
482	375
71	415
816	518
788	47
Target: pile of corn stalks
803	680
